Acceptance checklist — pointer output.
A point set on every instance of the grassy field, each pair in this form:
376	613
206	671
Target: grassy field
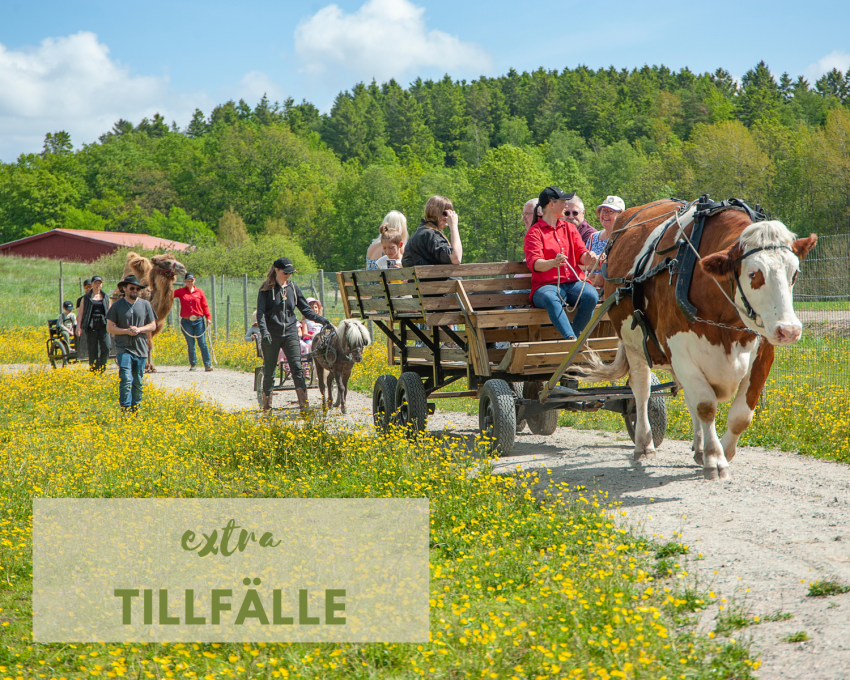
523	585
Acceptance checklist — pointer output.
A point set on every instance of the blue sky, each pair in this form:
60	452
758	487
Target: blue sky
79	65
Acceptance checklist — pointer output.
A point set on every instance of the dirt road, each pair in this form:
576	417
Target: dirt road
782	522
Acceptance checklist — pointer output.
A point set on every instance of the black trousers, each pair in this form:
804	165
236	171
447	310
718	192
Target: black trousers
98	348
292	351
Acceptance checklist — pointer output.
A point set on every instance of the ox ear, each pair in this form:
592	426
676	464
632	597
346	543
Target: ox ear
802	246
719	265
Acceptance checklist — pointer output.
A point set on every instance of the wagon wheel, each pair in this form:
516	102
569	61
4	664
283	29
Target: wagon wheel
57	352
258	384
518	390
497	416
411	402
543	423
383	401
657	417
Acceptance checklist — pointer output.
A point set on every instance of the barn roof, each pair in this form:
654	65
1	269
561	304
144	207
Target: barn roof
118	238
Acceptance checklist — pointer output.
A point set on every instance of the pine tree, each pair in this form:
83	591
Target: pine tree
198	126
759	96
58	144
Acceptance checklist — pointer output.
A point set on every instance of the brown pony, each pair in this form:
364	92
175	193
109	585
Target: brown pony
336	350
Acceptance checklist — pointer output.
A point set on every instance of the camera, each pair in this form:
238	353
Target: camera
391	264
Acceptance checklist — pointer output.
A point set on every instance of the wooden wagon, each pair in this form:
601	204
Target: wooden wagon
472	325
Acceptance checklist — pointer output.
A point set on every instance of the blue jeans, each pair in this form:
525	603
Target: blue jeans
131	368
546	297
191	328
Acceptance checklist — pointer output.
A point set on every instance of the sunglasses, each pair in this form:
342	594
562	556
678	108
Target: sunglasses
132	288
574	213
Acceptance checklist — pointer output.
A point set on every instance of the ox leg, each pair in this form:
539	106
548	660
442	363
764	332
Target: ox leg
640	380
697	446
746	399
702	403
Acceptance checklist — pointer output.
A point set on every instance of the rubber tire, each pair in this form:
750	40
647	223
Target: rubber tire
383	402
497	416
518	390
543	423
258	384
57	353
657	417
411	403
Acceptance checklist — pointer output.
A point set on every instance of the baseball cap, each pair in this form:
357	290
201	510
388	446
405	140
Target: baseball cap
550	194
87	282
96	278
612	203
285	265
189	275
67	305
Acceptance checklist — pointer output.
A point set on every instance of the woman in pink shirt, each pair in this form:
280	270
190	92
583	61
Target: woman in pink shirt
553	251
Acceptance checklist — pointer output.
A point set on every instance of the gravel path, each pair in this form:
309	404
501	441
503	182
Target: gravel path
782	522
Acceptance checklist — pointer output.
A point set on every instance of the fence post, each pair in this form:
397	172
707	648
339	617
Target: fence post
227	325
81	286
222	285
214	315
245	299
61	287
322	289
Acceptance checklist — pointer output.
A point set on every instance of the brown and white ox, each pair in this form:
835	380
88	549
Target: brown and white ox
709	363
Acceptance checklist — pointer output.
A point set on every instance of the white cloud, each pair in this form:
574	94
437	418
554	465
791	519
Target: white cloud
71	83
382	39
836	59
255	84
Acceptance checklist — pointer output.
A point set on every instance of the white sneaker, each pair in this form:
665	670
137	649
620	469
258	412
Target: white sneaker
192	368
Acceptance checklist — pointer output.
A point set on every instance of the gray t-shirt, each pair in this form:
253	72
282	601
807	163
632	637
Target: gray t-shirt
123	314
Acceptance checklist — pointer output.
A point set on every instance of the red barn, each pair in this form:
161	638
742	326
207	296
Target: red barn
81	245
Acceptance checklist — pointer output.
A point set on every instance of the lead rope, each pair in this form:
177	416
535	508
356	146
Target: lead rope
209	338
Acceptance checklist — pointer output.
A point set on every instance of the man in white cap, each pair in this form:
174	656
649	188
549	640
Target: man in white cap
607	212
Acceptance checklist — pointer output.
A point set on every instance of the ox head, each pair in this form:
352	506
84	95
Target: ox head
167	265
763	266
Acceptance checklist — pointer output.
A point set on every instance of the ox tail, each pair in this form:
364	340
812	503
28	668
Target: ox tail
596	370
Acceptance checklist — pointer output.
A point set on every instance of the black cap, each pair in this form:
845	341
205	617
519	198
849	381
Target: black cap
285	265
67	305
87	282
188	275
550	194
96	278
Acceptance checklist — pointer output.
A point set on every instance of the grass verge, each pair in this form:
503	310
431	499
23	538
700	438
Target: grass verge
519	588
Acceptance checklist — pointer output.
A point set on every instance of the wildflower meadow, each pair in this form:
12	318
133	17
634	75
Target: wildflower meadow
525	583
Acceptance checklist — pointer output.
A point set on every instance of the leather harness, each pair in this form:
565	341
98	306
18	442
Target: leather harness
682	264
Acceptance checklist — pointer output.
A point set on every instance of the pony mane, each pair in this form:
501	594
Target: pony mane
767	233
356	335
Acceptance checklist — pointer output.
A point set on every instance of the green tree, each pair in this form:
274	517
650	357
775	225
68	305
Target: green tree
231	229
57	144
760	97
507	178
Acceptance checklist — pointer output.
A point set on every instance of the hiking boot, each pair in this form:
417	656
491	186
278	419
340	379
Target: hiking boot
267	402
193	368
208	368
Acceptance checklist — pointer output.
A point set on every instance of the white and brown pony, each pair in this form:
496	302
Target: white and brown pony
336	350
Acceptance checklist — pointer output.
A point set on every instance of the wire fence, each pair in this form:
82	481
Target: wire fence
821	300
822	303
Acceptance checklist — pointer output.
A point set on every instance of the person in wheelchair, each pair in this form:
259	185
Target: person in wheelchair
67	325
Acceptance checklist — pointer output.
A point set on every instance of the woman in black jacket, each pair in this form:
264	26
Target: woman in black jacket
429	244
276	304
91	318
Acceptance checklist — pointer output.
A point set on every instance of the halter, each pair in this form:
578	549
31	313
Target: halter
748	309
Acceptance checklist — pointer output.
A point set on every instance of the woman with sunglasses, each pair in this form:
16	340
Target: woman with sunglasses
91	314
429	244
555	253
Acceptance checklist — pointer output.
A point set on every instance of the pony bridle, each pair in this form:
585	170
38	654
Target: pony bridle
748	310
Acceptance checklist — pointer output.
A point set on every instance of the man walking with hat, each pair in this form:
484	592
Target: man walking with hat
128	320
195	316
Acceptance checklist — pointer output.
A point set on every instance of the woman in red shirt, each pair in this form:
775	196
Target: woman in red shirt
193	312
553	251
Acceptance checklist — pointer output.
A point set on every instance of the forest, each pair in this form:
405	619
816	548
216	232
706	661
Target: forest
321	183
